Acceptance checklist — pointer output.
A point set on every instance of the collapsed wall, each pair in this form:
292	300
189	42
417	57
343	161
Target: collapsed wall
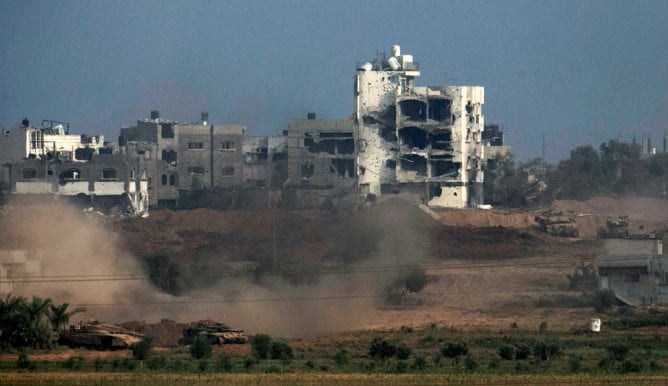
424	141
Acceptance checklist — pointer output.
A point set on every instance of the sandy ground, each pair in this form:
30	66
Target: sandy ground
487	268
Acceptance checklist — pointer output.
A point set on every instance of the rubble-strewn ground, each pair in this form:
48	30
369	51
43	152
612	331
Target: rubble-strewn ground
486	268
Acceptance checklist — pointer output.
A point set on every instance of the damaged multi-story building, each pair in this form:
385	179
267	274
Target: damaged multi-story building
424	141
50	161
187	157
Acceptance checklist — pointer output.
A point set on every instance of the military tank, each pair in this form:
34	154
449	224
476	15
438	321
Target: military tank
558	224
217	333
99	336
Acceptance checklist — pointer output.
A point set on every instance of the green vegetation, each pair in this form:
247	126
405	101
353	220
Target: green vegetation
522	350
201	347
261	345
142	350
34	323
617	168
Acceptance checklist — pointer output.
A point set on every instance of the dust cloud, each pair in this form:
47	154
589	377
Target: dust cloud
82	265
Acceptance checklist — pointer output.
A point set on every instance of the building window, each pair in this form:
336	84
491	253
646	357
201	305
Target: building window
195	145
109	174
172	179
71	174
167	130
196	170
228	146
170	156
228	171
29	174
632	277
164	179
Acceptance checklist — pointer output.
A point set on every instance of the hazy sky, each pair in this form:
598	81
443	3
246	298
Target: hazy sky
577	72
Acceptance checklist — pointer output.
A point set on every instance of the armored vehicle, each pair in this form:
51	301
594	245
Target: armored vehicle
217	333
99	336
558	224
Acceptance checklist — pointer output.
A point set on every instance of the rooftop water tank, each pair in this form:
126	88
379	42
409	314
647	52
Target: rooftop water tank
394	63
396	50
366	67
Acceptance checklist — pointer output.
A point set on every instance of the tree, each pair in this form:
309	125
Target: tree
281	350
580	177
33	323
506	352
60	317
201	347
142	350
261	344
454	349
380	348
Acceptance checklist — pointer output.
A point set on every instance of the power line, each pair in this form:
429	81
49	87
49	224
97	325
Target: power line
344	271
304	298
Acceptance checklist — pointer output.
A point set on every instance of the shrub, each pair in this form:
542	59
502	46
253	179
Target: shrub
420	363
401	366
281	350
522	352
493	364
98	364
128	364
249	362
544	351
470	363
310	364
454	349
584	277
380	348
403	351
156	362
542	329
142	350
415	280
261	345
201	347
575	364
74	363
607	363
224	363
631	366
341	357
618	350
203	365
604	300
506	352
23	362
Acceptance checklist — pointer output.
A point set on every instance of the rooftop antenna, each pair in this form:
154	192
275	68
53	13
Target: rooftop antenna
634	137
543	157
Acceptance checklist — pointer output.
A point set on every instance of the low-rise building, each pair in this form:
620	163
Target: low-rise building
636	269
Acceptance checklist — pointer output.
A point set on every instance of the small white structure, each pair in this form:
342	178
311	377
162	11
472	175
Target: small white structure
595	324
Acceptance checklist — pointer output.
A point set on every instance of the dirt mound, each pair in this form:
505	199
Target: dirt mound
487	218
165	333
645	214
638	208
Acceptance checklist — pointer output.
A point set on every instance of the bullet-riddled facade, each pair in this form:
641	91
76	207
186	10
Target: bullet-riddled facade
420	140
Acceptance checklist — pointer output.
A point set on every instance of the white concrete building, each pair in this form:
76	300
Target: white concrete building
53	141
16	265
423	141
50	161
